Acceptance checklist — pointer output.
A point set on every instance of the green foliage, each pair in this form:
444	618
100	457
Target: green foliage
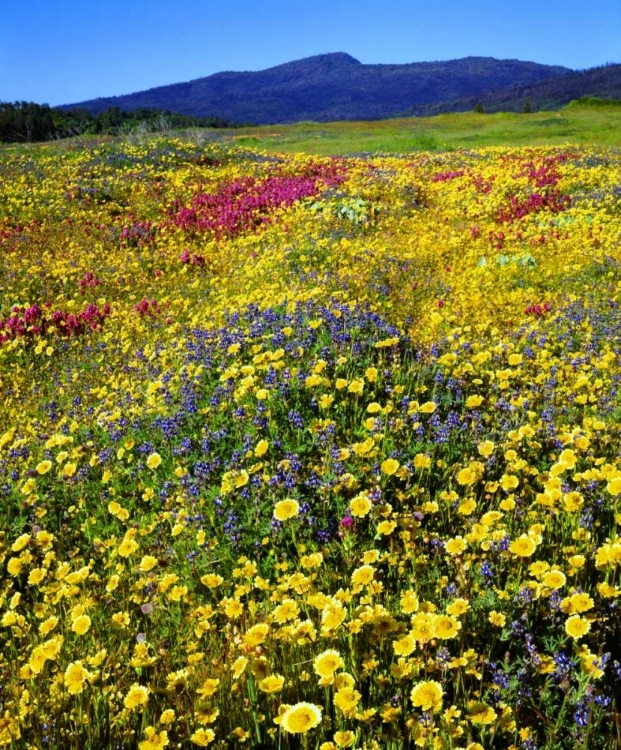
353	210
595	101
28	122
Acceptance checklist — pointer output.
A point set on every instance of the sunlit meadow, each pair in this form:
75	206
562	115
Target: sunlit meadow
305	452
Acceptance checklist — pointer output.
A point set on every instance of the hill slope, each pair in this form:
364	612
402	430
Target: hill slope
331	87
549	94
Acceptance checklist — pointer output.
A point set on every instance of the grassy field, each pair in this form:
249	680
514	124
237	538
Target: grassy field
595	125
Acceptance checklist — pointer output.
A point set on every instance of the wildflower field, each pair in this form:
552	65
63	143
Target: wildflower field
309	452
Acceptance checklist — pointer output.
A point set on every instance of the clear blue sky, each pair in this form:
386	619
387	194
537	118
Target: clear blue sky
63	51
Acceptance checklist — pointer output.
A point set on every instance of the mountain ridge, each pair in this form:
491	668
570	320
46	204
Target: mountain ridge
331	86
551	93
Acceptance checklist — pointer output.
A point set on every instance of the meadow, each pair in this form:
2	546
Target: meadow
584	122
304	451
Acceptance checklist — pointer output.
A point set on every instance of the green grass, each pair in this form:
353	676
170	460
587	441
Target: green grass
577	123
585	122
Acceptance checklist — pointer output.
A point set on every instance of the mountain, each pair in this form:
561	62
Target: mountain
331	87
551	93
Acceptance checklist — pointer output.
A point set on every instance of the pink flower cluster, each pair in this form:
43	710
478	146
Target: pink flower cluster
538	310
545	173
88	281
194	260
448	176
518	207
28	322
147	308
137	234
246	203
483	185
543	177
11	234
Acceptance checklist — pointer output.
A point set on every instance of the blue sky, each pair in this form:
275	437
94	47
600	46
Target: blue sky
63	51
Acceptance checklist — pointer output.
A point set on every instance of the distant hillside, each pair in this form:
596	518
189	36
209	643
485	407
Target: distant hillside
331	87
549	94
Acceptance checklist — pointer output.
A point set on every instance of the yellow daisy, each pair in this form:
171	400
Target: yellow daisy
300	718
286	509
427	695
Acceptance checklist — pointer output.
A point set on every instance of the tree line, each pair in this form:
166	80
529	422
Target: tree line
29	122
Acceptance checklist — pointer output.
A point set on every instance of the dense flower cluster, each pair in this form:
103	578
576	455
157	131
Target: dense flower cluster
32	322
334	461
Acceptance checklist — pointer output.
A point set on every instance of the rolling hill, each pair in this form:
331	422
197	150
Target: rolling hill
549	94
332	87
